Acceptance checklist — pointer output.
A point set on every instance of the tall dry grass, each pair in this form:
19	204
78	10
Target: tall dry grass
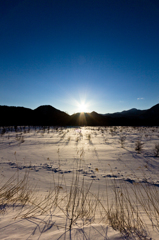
122	212
15	192
80	206
123	208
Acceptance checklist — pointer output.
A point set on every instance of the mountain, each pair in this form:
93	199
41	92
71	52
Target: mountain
152	112
129	113
15	116
87	119
49	116
151	116
43	115
136	117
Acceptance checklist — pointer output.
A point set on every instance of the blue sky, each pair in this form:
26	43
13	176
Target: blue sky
102	53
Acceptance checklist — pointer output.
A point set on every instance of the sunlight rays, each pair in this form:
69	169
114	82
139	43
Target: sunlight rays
82	107
81	102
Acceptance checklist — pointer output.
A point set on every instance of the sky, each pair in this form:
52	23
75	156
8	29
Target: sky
91	55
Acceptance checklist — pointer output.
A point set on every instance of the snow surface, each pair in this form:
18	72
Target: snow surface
52	156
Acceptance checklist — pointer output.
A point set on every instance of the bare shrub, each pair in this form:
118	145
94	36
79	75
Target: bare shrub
138	146
122	140
156	150
89	137
77	139
20	138
3	131
113	131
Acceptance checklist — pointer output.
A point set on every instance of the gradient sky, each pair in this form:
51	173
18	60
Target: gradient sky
104	53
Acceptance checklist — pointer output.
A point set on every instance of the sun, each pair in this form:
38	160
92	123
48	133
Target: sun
82	107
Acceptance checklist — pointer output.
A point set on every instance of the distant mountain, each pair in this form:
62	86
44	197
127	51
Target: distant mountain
49	116
129	113
87	119
136	117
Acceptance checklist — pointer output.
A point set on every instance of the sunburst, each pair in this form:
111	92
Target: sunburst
82	107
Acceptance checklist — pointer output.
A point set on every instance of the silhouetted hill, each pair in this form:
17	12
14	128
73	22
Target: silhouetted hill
43	115
87	119
136	117
152	112
151	116
49	116
129	113
15	116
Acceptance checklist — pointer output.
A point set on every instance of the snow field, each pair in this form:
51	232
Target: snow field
79	183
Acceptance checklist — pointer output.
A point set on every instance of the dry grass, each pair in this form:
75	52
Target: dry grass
122	208
147	195
122	140
123	213
15	192
80	205
156	150
139	146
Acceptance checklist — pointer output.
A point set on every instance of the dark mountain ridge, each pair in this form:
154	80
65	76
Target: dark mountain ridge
126	113
49	116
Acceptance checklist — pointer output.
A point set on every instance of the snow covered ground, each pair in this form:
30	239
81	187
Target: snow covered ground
79	183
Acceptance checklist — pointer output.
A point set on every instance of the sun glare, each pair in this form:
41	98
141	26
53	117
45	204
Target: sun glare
82	107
